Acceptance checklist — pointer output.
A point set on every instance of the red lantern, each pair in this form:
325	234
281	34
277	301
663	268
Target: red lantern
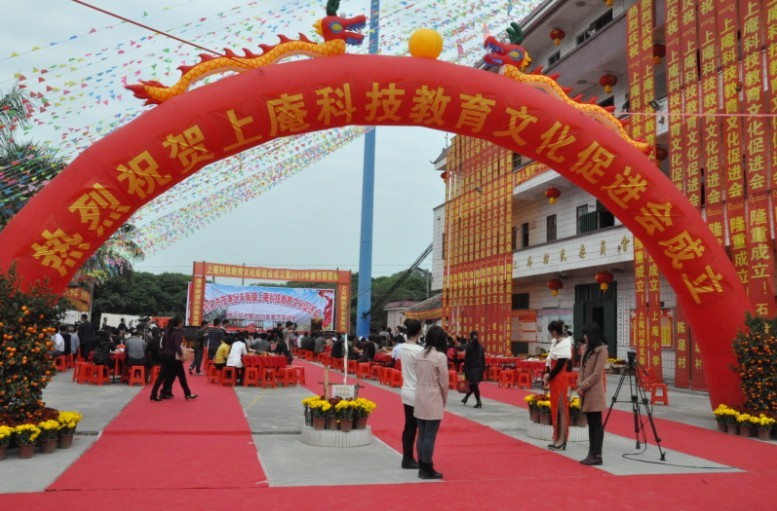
552	194
604	278
554	285
444	174
608	81
557	35
661	153
659	52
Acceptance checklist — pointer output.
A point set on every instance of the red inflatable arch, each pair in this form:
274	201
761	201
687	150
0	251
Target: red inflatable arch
68	220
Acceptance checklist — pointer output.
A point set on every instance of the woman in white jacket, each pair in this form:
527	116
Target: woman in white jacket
431	369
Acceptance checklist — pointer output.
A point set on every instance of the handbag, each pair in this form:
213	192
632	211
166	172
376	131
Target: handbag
188	355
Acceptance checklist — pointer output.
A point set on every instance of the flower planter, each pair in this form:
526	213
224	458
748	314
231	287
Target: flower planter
346	425
331	423
732	428
746	430
581	421
319	423
721	426
360	423
25	451
764	433
65	440
534	415
3	452
48	445
545	418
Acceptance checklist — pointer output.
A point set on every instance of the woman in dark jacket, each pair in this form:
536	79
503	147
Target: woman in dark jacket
172	367
474	365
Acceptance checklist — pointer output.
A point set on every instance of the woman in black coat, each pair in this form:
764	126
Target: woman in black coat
474	365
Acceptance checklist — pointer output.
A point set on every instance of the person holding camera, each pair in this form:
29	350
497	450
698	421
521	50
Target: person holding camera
555	378
590	387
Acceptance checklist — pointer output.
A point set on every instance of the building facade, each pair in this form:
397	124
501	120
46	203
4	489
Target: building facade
517	245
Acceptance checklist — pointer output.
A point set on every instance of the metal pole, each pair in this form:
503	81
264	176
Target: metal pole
364	298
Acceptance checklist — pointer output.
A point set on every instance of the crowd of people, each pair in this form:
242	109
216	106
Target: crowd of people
424	359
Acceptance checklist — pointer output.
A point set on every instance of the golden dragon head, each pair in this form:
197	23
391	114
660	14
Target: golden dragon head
334	27
508	54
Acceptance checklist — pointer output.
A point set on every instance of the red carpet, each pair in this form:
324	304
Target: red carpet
203	443
484	469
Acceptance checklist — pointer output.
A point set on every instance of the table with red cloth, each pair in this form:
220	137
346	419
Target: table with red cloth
265	361
118	358
382	358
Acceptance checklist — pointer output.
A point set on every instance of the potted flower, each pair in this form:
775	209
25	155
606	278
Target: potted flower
745	425
577	417
725	416
68	421
25	436
319	410
765	425
344	412
531	402
49	431
362	410
6	433
544	407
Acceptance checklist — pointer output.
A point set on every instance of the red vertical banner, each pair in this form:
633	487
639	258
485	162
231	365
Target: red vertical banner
691	143
674	94
761	258
771	78
682	370
711	125
197	294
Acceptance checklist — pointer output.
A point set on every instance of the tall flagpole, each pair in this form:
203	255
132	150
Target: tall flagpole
364	297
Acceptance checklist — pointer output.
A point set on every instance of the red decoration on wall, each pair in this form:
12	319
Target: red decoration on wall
557	35
604	278
661	153
554	285
552	194
444	175
659	52
608	81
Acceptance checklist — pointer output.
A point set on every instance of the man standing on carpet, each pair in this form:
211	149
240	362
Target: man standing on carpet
406	352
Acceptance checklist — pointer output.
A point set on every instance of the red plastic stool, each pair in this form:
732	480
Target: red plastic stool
375	372
523	379
506	378
494	372
663	397
269	378
137	374
286	376
385	375
214	374
154	373
61	364
396	378
452	378
229	376
363	370
250	377
299	374
100	375
352	366
82	372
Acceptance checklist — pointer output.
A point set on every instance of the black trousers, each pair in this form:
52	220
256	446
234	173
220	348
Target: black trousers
177	371
409	433
595	432
166	369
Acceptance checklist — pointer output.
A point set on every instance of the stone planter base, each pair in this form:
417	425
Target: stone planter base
335	438
543	432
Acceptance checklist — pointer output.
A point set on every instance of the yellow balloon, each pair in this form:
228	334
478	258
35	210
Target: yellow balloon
426	43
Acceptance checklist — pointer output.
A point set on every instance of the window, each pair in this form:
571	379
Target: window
594	27
551	228
582	211
517	161
554	57
524	235
520	301
514	240
443	246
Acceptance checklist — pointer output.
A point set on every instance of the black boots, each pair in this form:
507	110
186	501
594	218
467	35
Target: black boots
466	398
427	471
409	463
592	459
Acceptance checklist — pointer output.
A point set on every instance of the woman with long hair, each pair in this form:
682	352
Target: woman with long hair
431	370
590	387
556	379
474	365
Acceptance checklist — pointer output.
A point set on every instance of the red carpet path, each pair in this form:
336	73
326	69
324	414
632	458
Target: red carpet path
152	448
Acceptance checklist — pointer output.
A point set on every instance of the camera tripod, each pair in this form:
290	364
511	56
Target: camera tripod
638	399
